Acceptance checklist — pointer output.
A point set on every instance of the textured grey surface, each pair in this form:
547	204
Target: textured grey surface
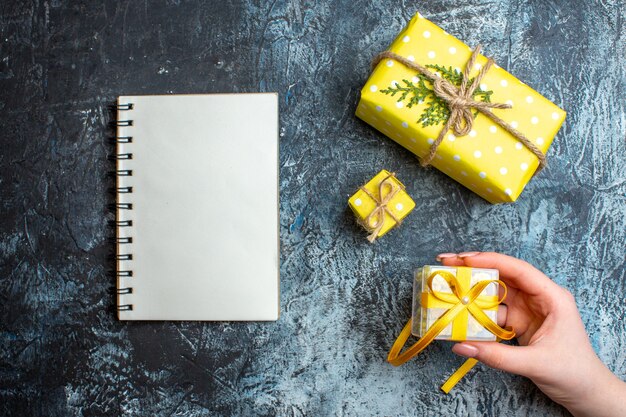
62	352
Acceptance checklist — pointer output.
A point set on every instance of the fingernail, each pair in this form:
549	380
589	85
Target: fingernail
445	256
467	254
467	351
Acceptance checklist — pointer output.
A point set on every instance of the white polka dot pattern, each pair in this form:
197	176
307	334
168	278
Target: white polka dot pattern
487	158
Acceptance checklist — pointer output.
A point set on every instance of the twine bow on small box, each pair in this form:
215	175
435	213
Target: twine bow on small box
374	221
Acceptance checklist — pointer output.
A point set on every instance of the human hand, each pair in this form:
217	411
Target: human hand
554	352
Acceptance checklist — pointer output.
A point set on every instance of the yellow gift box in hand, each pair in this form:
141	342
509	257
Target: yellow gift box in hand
459	112
429	306
467	299
381	204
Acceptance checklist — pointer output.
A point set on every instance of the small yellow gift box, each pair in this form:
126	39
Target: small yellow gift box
496	131
381	204
452	303
428	305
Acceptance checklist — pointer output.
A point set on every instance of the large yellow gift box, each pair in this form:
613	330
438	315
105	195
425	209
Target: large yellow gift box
489	159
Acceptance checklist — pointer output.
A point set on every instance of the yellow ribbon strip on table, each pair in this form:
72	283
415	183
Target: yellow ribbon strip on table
461	302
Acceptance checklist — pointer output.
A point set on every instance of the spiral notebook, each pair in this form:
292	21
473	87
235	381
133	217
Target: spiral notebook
197	207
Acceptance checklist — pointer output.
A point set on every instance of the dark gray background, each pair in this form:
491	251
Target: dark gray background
343	300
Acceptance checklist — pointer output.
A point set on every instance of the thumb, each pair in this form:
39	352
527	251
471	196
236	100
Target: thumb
514	359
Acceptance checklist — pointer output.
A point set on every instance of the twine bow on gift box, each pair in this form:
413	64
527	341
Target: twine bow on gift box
460	302
460	102
381	210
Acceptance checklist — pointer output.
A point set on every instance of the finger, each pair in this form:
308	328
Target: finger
446	255
515	272
452	261
516	359
502	315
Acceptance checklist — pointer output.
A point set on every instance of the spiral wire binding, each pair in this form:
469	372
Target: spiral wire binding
121	156
122	139
122	206
123	223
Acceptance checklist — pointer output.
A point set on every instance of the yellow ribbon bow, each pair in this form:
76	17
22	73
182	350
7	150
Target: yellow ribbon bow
461	301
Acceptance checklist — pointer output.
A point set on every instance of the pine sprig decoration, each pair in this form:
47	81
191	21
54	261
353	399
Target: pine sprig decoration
437	110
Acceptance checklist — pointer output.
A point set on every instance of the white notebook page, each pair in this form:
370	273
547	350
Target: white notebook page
205	242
